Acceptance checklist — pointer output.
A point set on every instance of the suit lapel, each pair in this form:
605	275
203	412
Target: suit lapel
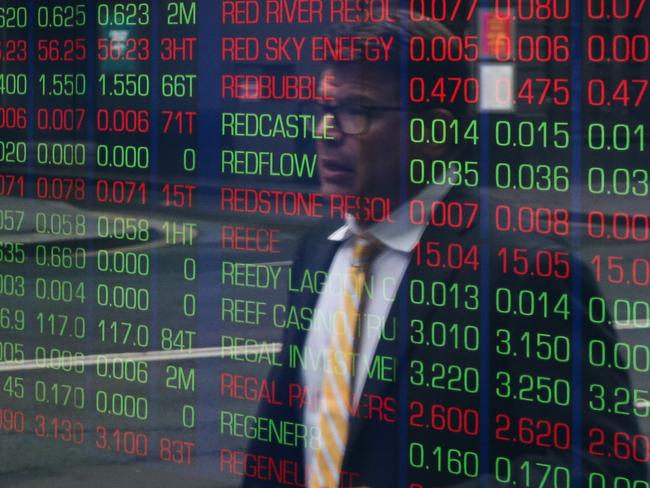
401	348
316	254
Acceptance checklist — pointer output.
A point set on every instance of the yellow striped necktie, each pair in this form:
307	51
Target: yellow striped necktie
336	395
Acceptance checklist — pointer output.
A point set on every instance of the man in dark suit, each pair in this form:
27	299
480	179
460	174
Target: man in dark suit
441	386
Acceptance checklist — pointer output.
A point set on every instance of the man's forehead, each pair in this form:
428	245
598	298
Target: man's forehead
358	81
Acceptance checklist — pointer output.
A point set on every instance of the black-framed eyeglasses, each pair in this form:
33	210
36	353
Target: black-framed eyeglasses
352	119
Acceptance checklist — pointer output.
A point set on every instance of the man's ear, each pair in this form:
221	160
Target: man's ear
435	150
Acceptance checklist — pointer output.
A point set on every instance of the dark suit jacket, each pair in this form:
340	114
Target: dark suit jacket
381	443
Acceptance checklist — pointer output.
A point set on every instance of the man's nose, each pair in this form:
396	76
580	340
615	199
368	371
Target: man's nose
334	134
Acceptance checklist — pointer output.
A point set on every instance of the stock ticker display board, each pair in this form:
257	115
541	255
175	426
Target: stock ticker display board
323	243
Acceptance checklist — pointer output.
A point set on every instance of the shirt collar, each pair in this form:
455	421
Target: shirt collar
402	235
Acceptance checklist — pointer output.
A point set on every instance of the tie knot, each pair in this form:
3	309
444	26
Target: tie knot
364	251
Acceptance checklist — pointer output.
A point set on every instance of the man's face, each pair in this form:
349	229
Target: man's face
365	164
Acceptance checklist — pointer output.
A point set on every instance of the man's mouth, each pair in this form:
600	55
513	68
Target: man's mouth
335	168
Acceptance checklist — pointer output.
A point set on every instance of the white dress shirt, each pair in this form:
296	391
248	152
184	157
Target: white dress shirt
397	240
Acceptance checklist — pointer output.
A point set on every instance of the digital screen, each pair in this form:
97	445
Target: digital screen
324	243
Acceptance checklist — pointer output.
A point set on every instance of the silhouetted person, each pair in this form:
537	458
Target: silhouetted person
375	363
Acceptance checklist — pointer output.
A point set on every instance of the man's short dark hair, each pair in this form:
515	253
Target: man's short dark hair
402	30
